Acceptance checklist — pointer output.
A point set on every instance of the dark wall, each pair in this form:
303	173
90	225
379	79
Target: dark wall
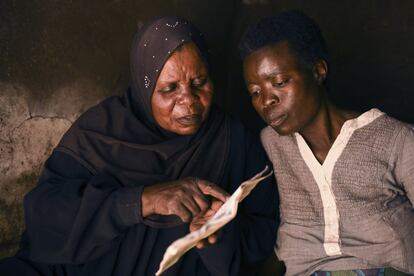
57	58
46	43
371	46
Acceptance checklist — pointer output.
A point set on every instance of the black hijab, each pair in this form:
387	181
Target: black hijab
119	136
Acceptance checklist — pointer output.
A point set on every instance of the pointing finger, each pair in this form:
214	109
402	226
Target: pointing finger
209	188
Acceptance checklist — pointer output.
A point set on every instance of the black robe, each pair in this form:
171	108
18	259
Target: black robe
85	224
84	216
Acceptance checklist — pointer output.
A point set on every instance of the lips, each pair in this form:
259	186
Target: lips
274	119
188	120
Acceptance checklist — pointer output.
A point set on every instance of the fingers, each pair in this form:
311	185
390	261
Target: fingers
201	201
212	239
213	190
181	198
197	222
181	211
187	208
191	205
215	205
186	198
201	244
194	199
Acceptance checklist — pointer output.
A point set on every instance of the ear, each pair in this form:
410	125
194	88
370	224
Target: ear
320	71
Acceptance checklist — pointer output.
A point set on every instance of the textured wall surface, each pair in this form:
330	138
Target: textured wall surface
27	137
57	58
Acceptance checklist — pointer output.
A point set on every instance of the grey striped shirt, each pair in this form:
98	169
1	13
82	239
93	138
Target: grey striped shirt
356	209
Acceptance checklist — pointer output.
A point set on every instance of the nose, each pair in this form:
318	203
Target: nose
269	98
187	96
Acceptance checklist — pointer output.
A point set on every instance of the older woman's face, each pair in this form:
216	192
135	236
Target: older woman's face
183	93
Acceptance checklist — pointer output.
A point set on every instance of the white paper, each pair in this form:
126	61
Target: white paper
225	214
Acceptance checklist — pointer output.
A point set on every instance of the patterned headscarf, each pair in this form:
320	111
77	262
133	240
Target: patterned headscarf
151	48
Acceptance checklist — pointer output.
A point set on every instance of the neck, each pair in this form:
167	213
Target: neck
322	131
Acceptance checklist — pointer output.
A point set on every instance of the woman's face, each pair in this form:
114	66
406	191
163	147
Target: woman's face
183	93
285	92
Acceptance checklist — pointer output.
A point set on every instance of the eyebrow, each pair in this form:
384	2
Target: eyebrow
268	75
169	80
274	72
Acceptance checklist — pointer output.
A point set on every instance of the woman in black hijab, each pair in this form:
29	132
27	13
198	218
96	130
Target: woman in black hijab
135	173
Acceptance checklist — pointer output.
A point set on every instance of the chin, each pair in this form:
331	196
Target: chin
283	130
187	130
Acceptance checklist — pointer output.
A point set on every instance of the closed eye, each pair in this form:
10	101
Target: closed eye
280	84
255	93
199	82
169	88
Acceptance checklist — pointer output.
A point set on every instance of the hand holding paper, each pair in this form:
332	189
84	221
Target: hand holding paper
225	214
202	219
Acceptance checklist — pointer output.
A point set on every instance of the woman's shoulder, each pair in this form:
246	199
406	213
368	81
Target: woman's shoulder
402	131
65	164
102	109
240	131
268	133
245	140
269	136
389	124
246	150
100	117
403	125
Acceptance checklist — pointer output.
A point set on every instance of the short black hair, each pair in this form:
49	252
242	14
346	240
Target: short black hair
299	30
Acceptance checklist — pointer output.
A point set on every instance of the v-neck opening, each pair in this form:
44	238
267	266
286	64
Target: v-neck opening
347	129
322	174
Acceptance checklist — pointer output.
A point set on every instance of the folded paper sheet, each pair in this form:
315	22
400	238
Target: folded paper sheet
226	213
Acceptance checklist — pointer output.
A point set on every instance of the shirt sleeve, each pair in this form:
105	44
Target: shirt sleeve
73	216
405	162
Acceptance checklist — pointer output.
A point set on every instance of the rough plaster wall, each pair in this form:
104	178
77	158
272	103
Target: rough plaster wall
57	58
27	137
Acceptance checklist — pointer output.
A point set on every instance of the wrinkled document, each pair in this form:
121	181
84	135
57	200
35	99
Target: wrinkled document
226	213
